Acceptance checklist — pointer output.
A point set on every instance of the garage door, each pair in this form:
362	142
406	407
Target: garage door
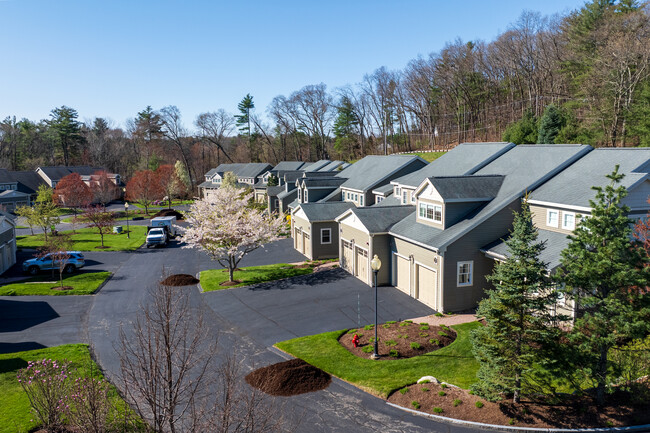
362	264
307	245
298	239
403	277
347	260
426	286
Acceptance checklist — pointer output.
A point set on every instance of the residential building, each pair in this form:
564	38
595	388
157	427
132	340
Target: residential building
7	241
315	231
247	175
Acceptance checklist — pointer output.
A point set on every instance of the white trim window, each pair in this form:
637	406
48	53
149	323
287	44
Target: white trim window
413	197
464	274
361	199
398	191
379	199
430	212
552	218
404	194
325	236
568	220
343	196
276	203
300	195
306	199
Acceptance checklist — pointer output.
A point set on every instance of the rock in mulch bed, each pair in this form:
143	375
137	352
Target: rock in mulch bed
180	280
169	212
399	339
289	378
572	412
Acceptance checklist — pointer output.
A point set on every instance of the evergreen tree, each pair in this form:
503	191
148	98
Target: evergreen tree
550	125
345	128
273	180
66	131
518	315
523	131
605	275
243	120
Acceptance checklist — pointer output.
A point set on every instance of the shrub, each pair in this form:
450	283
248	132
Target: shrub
437	409
424	328
391	322
390	343
439	314
457	402
371	340
90	407
470	392
415	345
442	393
403	390
386	325
442	334
511	421
394	353
408	321
425	389
405	337
609	423
367	349
423	334
434	341
369	327
404	324
423	323
478	404
443	385
415	404
46	383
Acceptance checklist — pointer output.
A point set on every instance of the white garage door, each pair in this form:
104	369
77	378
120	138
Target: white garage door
426	286
362	264
307	245
403	274
347	260
298	239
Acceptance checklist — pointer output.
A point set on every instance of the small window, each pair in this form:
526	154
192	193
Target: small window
379	199
356	197
568	220
404	194
552	218
343	196
306	199
437	213
299	194
413	197
464	276
325	236
348	196
361	199
423	210
398	192
276	203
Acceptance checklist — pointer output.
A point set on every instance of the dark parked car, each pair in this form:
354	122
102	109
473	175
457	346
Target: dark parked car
75	261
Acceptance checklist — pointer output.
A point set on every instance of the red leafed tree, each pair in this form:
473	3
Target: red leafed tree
168	182
143	188
72	192
103	188
101	219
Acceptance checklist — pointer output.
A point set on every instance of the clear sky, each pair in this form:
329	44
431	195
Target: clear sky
112	58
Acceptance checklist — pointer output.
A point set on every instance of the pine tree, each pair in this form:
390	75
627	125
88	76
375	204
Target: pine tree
517	312
345	129
550	125
243	120
604	271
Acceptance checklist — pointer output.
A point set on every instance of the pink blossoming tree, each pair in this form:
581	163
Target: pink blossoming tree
227	229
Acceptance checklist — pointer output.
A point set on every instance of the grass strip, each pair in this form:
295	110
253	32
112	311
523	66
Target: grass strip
87	239
454	364
85	283
211	279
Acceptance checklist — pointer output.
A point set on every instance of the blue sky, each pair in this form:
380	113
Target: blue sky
112	58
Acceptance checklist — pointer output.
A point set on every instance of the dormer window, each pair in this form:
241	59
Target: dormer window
568	220
404	194
430	212
552	218
306	200
361	199
300	194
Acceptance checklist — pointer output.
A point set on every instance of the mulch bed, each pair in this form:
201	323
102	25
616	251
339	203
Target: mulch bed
289	378
169	212
399	336
231	283
62	288
573	412
180	280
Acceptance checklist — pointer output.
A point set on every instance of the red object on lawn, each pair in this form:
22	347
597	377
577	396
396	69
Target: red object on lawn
355	340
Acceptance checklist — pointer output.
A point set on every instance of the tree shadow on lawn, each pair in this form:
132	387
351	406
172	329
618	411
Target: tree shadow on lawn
315	279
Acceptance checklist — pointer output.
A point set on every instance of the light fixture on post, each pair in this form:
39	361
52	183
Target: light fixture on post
126	209
375	265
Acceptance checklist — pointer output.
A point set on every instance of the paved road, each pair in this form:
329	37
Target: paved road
248	321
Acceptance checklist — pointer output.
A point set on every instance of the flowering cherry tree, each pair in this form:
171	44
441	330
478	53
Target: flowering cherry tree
227	229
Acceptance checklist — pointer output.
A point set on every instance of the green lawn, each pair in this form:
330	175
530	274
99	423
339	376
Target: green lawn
84	284
87	239
211	279
15	413
428	156
454	364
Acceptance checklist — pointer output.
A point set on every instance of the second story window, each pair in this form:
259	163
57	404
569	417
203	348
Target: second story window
404	196
552	218
361	199
568	220
300	194
430	212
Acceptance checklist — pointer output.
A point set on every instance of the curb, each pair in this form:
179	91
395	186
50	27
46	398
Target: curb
493	427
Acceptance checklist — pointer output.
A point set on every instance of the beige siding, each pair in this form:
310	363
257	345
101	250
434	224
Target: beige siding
540	214
426	221
353	235
415	256
300	226
467	248
381	247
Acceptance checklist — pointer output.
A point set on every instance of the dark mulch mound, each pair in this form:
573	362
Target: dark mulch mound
61	288
169	212
180	280
572	412
230	283
399	336
289	378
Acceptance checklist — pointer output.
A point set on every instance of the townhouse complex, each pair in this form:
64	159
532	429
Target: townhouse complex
439	227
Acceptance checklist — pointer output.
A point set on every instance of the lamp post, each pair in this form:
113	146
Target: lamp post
126	209
375	264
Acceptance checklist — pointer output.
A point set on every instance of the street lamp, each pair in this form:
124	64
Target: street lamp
375	264
126	209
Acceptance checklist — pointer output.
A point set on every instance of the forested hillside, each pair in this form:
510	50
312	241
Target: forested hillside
578	78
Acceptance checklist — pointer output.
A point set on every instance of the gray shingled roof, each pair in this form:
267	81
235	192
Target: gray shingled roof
28	181
479	188
273	191
389	201
5	176
524	167
320	212
466	158
383	190
291	176
209	184
374	170
573	185
288	194
381	219
59	172
316	166
252	169
288	166
555	242
211	172
333	182
332	196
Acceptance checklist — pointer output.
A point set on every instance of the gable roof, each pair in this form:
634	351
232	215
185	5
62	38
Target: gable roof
391	200
320	212
316	166
465	188
383	190
288	166
332	166
372	170
251	169
466	158
5	176
57	173
573	186
554	243
273	191
332	196
524	168
379	220
28	181
333	182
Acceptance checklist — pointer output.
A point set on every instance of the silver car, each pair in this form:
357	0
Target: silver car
75	261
